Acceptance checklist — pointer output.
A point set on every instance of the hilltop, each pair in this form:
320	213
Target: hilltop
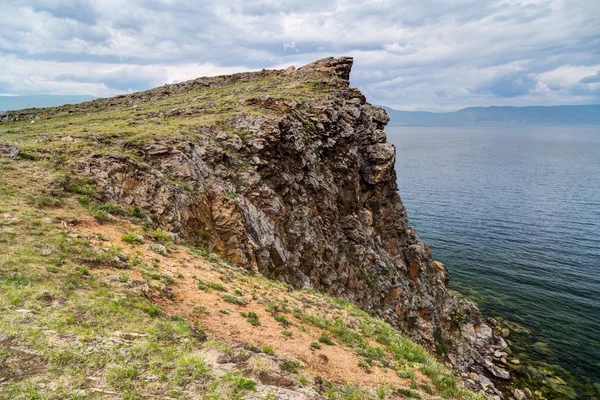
231	237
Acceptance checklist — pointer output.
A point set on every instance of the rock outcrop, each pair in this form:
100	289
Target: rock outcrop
302	189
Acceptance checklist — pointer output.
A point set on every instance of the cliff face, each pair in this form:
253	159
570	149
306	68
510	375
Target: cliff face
288	173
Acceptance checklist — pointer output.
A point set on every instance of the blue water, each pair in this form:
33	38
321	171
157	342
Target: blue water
514	213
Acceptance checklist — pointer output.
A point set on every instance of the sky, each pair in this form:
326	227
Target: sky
411	55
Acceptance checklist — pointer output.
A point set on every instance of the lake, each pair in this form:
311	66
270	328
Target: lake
514	213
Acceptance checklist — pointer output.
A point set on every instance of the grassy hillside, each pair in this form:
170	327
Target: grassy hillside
99	303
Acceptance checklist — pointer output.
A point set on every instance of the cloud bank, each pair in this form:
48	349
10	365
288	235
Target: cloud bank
429	54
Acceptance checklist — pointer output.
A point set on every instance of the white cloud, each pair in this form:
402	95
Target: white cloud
426	54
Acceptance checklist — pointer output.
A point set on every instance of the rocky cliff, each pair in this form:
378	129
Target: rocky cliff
287	173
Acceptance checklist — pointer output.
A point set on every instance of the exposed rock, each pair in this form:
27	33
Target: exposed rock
519	395
269	378
484	382
498	372
304	192
158	249
9	151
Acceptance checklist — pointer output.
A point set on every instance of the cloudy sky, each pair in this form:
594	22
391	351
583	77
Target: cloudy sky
425	54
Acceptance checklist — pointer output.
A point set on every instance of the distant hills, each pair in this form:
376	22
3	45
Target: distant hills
20	102
480	116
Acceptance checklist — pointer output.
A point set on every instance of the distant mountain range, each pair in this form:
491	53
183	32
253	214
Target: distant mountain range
21	102
480	116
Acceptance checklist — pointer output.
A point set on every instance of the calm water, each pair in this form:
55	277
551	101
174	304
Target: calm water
515	215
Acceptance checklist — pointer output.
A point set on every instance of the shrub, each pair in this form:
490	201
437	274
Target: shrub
48	201
152	310
102	216
111	209
233	300
283	320
133	238
252	318
291	366
160	235
216	286
325	339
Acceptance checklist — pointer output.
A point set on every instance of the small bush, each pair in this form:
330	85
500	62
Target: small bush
102	216
365	364
191	367
233	300
408	393
152	310
137	213
252	318
160	235
112	209
283	320
315	345
325	339
291	366
287	333
242	383
405	374
48	201
426	388
133	238
216	286
83	186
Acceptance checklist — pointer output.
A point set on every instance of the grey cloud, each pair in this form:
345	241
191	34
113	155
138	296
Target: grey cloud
591	79
510	85
408	54
78	10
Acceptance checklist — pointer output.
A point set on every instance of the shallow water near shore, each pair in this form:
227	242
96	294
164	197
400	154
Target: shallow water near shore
514	213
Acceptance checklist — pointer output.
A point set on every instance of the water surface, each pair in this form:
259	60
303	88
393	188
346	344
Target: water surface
515	215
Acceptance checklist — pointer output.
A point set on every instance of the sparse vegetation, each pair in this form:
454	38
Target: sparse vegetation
325	339
233	300
78	312
252	318
133	238
283	320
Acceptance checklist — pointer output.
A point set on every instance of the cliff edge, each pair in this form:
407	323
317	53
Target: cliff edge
286	173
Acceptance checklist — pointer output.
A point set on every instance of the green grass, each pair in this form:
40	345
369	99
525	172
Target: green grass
233	299
216	286
76	322
252	318
283	320
325	339
132	238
